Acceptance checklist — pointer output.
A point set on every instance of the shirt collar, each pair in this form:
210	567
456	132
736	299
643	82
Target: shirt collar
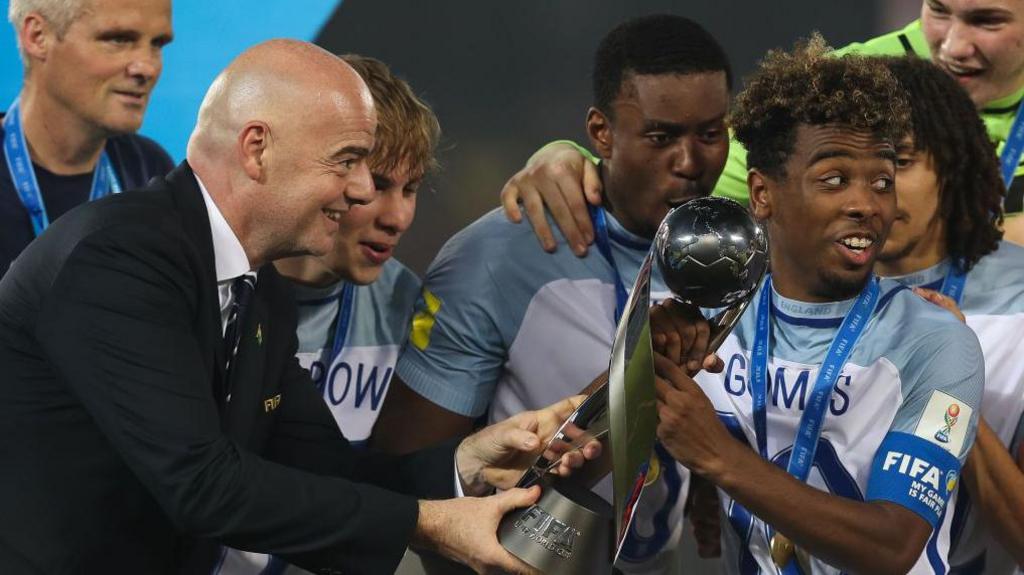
787	308
228	255
930	275
620	235
1007	101
306	294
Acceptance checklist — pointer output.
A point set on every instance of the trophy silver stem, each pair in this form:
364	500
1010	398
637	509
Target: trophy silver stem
724	321
711	254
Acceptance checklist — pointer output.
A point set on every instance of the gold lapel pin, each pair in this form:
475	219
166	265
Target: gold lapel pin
259	333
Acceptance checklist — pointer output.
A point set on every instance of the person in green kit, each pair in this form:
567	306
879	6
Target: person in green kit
980	43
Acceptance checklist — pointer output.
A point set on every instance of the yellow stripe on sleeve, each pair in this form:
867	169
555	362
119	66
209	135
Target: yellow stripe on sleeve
423	321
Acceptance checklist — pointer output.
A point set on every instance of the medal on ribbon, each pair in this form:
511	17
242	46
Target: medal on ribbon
805	443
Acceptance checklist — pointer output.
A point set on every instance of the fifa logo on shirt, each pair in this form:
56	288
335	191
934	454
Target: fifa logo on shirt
271	403
952	413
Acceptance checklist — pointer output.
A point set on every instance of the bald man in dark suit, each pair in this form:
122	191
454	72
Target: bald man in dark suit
152	406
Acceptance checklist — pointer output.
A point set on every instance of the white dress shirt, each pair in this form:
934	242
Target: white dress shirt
228	255
231	262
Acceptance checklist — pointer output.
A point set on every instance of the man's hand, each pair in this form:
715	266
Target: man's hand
941	300
687	424
681	333
466	530
558	177
497	455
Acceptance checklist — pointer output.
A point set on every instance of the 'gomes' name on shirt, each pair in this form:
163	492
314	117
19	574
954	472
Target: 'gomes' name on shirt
354	385
788	386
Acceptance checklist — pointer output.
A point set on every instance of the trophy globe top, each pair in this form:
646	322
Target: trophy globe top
711	252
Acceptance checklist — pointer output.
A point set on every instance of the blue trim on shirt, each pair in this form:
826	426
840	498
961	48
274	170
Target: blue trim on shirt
887	297
932	550
315	302
816	322
732	425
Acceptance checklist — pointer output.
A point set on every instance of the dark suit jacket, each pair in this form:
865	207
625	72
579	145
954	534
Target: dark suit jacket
117	454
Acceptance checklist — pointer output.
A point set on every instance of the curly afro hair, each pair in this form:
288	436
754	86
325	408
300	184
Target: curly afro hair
946	126
810	86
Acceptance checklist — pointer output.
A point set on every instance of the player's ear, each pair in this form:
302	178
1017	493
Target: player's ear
599	128
759	187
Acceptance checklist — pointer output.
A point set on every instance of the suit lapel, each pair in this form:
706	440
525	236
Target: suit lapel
189	200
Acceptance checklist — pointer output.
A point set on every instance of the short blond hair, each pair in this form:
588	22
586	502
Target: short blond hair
407	129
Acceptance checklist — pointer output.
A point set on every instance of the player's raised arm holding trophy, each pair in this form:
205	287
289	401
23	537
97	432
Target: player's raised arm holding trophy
825	432
712	254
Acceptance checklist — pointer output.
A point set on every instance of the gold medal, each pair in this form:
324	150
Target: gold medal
782	550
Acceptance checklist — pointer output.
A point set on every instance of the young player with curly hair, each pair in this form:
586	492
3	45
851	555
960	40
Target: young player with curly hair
946	240
837	430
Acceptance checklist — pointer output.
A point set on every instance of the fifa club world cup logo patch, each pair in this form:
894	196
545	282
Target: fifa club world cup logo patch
939	422
952	414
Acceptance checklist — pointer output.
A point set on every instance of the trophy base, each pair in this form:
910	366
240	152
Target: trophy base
567	532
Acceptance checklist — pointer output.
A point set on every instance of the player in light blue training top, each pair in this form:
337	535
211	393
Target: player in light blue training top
503	326
356	302
837	430
946	239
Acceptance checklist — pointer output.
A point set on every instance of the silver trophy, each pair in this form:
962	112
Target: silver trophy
711	254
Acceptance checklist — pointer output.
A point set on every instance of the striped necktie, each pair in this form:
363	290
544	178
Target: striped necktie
241	289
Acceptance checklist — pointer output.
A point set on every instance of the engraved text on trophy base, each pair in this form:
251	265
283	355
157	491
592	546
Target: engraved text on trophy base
554	535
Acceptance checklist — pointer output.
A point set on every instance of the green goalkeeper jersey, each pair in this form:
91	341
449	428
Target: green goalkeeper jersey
998	117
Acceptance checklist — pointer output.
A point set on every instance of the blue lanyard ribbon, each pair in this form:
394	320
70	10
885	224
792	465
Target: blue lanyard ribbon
23	175
805	444
345	303
806	441
1014	147
604	245
953	284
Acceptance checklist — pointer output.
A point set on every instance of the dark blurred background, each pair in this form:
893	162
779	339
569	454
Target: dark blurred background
507	77
503	77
